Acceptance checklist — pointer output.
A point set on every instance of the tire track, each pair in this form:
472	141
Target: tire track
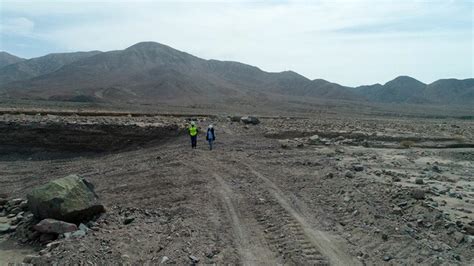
250	253
251	248
317	247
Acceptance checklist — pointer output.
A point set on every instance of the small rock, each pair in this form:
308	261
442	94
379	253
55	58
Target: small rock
469	229
128	220
164	260
78	233
30	259
4	228
397	210
402	204
387	258
53	245
14	202
457	257
458	237
329	175
313	140
468	239
125	257
436	169
250	120
23	205
358	168
54	226
194	259
83	227
418	194
349	174
419	181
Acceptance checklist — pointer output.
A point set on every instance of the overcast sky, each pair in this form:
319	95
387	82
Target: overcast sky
349	42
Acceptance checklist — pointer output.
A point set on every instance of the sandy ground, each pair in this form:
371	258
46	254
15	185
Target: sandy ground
268	195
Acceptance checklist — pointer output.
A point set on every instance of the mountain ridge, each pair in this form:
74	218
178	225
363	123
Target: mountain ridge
8	59
154	72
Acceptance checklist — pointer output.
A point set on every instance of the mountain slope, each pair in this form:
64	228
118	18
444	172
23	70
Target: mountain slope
8	59
35	67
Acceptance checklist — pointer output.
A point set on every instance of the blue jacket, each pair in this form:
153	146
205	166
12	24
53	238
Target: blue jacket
210	134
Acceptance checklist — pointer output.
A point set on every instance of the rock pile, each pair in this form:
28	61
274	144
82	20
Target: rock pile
12	213
54	210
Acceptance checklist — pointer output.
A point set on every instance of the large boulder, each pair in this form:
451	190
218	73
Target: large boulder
70	199
250	120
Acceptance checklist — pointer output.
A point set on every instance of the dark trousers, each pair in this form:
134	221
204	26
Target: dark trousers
193	141
210	144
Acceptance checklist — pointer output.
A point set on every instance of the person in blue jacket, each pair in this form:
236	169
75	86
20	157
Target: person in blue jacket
210	136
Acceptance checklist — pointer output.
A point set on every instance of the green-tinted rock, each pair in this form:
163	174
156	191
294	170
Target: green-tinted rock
70	199
4	228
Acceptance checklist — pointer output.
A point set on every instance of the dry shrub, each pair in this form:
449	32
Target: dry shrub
459	138
407	144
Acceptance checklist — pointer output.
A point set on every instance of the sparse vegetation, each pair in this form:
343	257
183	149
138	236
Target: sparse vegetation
459	138
407	144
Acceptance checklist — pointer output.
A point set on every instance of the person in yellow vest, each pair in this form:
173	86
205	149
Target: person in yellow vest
193	132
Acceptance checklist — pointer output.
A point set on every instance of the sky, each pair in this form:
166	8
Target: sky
351	42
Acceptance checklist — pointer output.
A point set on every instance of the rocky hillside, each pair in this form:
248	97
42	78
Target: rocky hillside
28	69
150	72
8	59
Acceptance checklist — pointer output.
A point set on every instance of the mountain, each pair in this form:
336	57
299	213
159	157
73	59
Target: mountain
27	69
8	59
150	72
398	90
405	89
450	91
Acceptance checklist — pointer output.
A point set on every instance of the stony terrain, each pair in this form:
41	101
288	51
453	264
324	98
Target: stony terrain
322	189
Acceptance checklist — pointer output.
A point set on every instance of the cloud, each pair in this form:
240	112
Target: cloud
17	26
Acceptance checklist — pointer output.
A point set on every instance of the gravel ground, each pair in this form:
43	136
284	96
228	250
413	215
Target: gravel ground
267	194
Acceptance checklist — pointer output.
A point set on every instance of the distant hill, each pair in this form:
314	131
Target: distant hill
27	69
150	72
405	89
450	91
8	59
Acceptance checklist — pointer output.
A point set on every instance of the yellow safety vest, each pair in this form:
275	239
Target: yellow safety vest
193	131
